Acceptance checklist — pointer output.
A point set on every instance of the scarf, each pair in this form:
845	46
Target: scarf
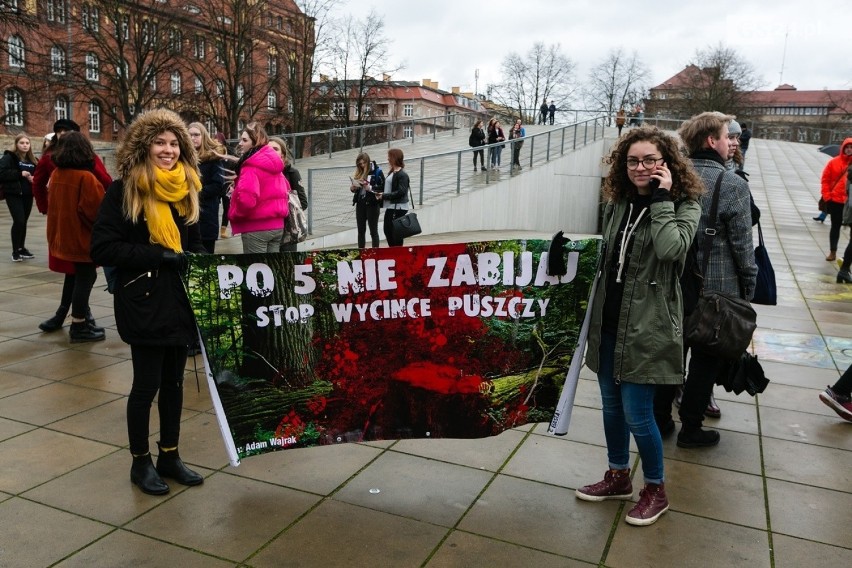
169	187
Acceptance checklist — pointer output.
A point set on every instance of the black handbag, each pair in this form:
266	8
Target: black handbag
720	325
765	292
406	226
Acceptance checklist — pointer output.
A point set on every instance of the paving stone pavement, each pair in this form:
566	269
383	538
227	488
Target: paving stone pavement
776	492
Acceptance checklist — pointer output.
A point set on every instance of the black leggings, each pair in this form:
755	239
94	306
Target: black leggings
367	216
84	278
155	368
226	204
20	207
481	154
835	212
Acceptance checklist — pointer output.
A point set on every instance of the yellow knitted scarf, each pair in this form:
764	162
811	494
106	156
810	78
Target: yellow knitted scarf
170	186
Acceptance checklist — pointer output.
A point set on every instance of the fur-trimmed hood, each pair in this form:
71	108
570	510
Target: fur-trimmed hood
140	135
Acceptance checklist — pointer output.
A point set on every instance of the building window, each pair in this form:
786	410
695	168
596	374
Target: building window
408	109
271	64
17	52
56	11
279	23
122	69
290	105
340	109
176	83
152	80
114	119
199	86
14	107
381	110
220	88
200	47
292	71
175	41
61	108
9	5
271	100
220	52
408	132
57	60
92	67
241	94
94	116
150	33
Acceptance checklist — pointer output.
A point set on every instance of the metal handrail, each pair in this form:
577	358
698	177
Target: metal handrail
442	174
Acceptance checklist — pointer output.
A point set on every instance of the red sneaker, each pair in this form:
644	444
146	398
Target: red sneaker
615	485
652	503
842	405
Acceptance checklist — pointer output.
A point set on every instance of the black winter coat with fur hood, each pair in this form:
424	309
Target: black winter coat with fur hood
151	306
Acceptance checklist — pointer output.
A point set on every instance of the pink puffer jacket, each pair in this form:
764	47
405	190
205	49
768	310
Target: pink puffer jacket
259	199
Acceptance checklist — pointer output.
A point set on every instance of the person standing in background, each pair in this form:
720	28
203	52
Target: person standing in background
542	116
745	139
394	196
226	196
620	117
477	140
43	170
496	135
294	179
552	112
16	173
369	182
834	193
516	135
212	183
76	196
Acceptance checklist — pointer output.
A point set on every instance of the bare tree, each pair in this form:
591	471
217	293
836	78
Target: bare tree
618	81
309	49
543	73
360	53
126	52
717	78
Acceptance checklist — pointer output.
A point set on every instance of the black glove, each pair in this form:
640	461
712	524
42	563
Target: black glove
176	260
555	255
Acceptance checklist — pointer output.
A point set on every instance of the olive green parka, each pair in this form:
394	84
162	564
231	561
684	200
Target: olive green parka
649	341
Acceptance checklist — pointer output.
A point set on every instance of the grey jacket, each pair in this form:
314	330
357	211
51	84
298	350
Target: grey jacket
731	268
649	341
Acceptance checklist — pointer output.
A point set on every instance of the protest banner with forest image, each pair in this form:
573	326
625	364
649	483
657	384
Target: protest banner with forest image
441	341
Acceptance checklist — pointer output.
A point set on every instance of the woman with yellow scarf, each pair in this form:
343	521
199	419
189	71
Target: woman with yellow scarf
147	222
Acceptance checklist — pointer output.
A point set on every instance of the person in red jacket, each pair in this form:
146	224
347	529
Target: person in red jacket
834	193
77	195
41	176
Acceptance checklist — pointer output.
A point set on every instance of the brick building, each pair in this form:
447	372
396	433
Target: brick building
100	62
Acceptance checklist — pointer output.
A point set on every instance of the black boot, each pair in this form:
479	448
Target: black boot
695	437
143	474
55	323
82	333
170	465
844	277
90	319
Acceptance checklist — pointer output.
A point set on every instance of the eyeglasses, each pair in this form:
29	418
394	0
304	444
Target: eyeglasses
649	163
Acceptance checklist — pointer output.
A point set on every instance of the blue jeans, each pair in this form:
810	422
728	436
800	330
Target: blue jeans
628	408
495	156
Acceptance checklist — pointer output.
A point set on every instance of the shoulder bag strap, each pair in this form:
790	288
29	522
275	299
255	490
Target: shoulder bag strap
710	230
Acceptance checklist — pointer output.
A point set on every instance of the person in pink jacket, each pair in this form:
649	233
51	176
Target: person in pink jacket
259	198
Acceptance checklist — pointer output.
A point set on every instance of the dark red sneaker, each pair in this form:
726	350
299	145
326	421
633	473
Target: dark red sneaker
842	405
652	503
615	485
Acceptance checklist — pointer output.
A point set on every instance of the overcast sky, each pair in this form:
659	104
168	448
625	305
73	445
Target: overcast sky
448	40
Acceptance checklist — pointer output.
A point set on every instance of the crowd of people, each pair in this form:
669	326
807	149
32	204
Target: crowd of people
172	177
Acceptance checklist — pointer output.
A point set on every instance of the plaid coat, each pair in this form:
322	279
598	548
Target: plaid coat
731	268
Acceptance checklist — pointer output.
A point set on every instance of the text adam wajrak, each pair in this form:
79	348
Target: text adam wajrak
354	277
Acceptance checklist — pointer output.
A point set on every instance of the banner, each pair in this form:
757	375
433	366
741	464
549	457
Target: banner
442	341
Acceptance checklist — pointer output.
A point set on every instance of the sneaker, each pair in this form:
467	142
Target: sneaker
25	254
615	485
712	410
842	405
652	504
16	257
697	438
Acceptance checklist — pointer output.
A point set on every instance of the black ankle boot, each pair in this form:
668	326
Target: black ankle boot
82	333
697	438
55	322
90	319
844	277
143	474
170	465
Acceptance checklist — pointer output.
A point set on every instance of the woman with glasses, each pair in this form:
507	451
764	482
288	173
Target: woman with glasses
635	338
368	180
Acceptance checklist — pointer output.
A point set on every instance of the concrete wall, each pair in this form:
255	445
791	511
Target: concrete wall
563	194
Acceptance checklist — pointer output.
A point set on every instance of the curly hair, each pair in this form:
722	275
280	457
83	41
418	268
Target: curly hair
685	181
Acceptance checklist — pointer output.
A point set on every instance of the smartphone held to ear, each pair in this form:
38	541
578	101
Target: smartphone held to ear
654	183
